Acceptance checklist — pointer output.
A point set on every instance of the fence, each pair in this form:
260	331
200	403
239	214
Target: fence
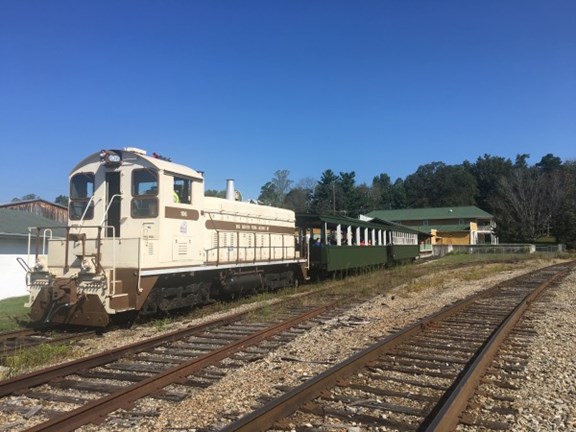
441	250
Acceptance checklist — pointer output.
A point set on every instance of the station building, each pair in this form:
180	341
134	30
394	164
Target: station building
468	225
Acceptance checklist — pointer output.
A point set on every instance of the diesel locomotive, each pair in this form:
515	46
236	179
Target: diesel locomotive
143	238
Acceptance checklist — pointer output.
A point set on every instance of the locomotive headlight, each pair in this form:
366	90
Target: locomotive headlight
87	266
113	158
110	158
40	265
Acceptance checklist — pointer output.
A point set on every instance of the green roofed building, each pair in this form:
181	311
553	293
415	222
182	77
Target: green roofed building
447	225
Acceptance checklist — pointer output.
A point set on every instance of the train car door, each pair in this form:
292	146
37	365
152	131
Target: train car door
113	199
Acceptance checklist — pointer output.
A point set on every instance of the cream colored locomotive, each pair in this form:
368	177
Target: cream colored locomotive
142	237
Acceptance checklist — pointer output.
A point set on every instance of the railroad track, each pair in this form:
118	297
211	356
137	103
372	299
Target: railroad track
15	341
421	378
166	367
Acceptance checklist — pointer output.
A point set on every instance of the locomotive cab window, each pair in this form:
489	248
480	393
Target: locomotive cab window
144	194
181	190
81	192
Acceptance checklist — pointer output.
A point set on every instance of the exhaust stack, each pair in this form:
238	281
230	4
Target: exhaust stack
230	193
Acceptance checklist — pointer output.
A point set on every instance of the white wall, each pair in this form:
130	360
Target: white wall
12	276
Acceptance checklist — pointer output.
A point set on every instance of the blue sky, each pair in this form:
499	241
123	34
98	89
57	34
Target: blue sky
241	89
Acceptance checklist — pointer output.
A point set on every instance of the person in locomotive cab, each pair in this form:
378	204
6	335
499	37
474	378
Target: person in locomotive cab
175	196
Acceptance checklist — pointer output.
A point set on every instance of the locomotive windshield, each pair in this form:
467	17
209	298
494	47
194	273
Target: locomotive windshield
81	192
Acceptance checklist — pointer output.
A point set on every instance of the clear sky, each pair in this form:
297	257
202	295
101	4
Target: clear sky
241	89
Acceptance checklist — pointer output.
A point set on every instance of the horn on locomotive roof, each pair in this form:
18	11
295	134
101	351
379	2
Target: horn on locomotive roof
135	150
159	156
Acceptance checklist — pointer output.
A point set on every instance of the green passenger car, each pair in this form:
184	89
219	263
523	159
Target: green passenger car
338	244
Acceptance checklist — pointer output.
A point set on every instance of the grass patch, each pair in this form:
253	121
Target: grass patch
409	279
433	281
40	355
163	324
265	312
481	272
13	313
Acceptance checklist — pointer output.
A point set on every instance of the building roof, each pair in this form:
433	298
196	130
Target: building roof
399	227
15	223
430	214
448	228
23	202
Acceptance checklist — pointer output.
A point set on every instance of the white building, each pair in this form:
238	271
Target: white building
14	226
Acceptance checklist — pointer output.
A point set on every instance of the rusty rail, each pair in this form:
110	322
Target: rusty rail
96	410
447	413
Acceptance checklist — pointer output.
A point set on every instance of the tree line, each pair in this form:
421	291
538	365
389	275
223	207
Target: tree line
529	202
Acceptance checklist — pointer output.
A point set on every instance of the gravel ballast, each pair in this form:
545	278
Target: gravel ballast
545	402
238	393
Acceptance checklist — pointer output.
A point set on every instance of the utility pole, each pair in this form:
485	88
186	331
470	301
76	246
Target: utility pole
333	199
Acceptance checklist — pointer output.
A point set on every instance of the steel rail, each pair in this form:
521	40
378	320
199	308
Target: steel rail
447	414
13	334
43	376
96	410
264	417
23	344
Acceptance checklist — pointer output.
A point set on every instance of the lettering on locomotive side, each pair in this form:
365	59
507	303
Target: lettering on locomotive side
238	226
247	227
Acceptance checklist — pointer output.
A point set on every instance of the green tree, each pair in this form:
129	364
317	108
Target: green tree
420	186
521	160
326	193
349	201
440	185
215	193
549	163
382	192
488	170
455	186
299	200
366	196
269	195
399	195
28	197
62	200
274	192
564	221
